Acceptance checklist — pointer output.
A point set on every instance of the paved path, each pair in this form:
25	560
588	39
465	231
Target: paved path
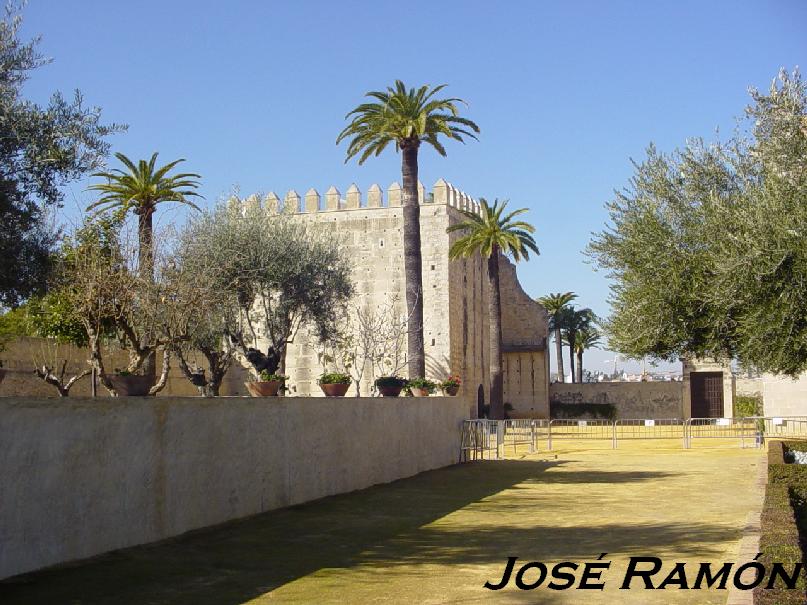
437	537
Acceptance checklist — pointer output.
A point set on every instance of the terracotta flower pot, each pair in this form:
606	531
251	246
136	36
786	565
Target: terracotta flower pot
390	391
131	385
452	390
334	390
261	388
418	392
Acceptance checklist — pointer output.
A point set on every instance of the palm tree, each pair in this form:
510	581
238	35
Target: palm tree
407	117
554	304
493	233
574	321
139	189
587	338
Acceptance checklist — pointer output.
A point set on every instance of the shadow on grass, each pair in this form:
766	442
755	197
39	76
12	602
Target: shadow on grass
381	526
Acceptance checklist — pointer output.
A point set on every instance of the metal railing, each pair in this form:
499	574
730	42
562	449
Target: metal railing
589	430
482	438
742	429
774	427
650	428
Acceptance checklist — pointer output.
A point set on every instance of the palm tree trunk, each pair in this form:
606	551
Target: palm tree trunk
571	355
495	315
145	259
412	260
559	354
580	366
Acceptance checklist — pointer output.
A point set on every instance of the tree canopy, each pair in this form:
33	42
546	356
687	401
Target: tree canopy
280	273
706	246
41	149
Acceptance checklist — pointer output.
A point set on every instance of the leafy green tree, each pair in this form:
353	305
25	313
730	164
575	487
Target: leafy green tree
280	275
407	118
706	246
554	305
41	149
492	234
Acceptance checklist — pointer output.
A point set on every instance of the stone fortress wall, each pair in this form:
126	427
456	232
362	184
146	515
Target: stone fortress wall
455	323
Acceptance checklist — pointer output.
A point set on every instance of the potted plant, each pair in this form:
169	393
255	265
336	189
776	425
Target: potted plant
422	387
127	384
451	385
334	384
267	385
390	386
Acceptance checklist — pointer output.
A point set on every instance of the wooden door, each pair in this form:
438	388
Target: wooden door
706	390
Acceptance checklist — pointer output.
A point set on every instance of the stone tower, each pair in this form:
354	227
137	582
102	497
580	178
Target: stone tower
455	322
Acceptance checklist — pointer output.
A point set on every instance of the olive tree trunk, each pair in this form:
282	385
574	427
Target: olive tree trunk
413	268
495	318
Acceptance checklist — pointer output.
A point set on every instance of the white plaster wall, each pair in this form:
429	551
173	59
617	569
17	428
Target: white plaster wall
782	396
81	477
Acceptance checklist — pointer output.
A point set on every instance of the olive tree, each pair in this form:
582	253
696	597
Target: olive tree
280	273
706	246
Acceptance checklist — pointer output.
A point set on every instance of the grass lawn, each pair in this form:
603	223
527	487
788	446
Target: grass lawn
437	537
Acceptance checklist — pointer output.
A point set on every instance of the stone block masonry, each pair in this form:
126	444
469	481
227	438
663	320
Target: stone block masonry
455	293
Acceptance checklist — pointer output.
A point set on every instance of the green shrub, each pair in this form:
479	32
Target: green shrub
747	405
783	523
560	410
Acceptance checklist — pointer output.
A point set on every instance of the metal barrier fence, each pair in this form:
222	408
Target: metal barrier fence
650	428
489	438
773	427
476	439
483	438
561	428
744	429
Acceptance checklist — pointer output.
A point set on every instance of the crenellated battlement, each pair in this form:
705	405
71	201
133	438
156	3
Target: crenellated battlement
312	202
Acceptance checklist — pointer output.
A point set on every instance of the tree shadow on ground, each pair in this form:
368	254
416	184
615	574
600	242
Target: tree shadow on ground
381	526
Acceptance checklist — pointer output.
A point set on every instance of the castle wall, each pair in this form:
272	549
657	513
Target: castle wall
455	298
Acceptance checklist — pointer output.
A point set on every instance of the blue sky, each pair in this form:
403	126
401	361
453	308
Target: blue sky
253	94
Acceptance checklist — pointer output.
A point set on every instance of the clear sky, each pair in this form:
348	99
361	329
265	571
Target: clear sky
254	93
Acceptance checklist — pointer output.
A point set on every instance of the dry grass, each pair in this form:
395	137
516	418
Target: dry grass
437	537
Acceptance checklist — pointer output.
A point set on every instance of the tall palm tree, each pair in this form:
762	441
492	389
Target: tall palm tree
407	117
574	321
554	304
139	189
587	338
493	233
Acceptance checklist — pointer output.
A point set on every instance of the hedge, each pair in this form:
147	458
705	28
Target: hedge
783	510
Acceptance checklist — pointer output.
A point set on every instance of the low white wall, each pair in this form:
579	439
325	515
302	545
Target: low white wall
79	477
783	396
